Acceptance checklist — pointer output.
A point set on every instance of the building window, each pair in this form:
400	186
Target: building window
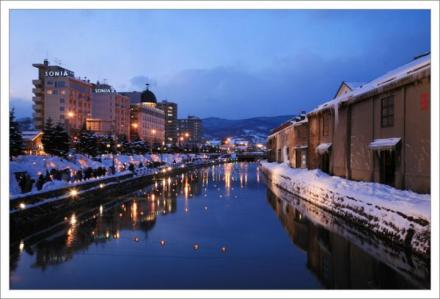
59	84
387	112
62	108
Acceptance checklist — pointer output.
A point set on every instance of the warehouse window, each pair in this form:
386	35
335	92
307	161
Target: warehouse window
387	112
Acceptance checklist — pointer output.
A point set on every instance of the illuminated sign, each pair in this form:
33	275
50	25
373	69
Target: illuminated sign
103	90
60	73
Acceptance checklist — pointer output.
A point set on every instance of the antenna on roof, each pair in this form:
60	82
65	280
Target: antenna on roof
57	61
148	85
105	80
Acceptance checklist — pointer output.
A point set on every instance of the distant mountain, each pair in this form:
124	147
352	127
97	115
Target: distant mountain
25	124
253	129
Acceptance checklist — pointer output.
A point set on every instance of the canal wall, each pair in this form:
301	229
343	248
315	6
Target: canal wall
51	206
368	207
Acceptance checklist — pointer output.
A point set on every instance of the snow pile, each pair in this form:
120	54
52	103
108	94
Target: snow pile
86	162
36	165
399	215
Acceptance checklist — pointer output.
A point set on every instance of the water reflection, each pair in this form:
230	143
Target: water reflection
342	257
136	213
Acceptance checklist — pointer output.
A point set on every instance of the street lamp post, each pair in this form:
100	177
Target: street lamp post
153	131
70	116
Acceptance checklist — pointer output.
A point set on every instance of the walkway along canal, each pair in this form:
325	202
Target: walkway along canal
217	227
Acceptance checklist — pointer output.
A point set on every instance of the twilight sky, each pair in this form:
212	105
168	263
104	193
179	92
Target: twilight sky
225	63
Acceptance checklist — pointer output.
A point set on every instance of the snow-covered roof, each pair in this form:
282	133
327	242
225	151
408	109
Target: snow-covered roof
354	85
323	148
281	127
417	65
30	135
292	122
386	143
298	123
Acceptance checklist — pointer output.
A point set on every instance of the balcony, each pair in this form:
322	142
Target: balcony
37	100
38	83
37	107
37	91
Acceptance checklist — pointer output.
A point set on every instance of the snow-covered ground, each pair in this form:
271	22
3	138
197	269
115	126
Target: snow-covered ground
36	165
381	208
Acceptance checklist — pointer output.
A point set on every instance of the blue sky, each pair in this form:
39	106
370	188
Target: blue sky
224	63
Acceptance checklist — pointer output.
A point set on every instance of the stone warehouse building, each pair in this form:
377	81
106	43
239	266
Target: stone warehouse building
289	142
378	131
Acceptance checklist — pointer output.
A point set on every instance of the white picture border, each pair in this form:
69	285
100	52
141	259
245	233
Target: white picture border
6	6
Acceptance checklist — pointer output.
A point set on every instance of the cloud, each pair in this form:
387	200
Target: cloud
138	82
289	85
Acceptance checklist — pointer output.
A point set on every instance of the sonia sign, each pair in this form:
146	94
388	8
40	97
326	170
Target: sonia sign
103	90
60	73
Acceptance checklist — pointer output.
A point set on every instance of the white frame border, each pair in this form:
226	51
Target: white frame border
6	6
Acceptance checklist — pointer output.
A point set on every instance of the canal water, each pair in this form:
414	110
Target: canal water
214	228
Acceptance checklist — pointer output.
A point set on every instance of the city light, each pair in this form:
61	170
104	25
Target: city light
134	125
70	114
73	219
73	192
162	243
22	206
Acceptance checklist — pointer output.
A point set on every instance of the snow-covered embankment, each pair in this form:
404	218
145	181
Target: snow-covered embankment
400	216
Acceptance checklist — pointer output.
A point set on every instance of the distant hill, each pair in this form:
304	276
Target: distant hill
254	129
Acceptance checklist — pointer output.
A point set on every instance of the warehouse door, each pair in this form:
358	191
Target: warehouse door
387	160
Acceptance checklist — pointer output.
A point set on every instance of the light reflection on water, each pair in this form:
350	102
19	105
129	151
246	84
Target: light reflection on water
206	229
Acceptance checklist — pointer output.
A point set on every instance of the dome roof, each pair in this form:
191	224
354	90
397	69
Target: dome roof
147	96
